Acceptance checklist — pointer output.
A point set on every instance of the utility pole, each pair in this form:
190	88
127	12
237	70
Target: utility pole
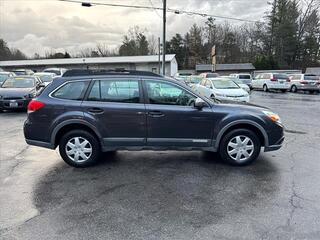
159	56
164	38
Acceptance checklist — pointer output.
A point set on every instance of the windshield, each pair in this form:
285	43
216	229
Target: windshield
3	77
18	83
245	77
45	78
56	72
224	84
212	75
19	72
194	79
311	78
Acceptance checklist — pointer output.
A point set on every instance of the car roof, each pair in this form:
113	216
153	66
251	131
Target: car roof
106	72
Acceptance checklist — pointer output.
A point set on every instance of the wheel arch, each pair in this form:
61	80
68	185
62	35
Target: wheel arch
244	124
70	125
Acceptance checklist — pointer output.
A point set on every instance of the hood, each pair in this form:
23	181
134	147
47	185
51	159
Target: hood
242	105
15	92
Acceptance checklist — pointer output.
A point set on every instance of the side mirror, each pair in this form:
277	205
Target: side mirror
199	103
41	85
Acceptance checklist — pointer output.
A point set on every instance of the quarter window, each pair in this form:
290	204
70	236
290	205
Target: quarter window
72	91
168	94
125	91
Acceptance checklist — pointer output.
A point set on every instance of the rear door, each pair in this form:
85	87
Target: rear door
115	106
171	118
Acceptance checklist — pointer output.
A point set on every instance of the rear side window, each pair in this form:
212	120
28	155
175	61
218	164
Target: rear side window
244	77
310	77
123	91
281	76
72	91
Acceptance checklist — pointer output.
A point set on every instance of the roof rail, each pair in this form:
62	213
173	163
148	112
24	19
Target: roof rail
90	72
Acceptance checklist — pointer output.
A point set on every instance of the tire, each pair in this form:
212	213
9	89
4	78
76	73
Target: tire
265	88
311	92
294	89
85	158
229	149
1	110
283	90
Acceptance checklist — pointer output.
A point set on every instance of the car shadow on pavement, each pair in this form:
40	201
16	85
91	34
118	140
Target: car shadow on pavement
152	189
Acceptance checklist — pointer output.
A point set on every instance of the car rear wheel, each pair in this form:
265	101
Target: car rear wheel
240	147
265	88
79	148
294	88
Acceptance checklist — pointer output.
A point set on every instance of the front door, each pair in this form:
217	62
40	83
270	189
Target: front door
116	108
171	118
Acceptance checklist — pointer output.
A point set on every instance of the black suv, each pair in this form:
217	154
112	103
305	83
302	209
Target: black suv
88	112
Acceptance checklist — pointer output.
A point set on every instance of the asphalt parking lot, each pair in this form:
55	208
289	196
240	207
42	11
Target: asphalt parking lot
166	195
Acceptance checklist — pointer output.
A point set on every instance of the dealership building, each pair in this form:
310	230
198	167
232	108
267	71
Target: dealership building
141	63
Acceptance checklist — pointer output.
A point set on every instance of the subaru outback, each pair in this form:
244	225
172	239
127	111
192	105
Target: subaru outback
88	112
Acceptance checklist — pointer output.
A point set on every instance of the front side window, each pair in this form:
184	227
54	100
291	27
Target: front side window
72	91
168	94
123	91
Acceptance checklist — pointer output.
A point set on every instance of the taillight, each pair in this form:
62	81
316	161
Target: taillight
288	80
274	79
35	105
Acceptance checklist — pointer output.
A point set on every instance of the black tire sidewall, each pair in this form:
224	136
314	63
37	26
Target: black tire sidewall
224	145
294	89
93	141
265	88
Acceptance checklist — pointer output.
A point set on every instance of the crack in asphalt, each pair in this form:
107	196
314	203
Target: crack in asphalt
17	159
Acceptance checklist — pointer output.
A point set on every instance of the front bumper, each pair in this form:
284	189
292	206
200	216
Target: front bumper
236	99
14	104
274	147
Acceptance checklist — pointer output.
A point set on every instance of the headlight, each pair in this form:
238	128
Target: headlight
272	116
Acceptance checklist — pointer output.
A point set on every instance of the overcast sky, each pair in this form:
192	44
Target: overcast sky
44	25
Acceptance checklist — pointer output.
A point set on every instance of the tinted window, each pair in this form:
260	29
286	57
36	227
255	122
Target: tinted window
212	75
280	76
311	78
168	94
72	91
125	91
244	77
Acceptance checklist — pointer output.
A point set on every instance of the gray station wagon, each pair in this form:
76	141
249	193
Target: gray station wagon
88	112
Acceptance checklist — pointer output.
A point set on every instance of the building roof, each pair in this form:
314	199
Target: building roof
313	70
94	60
225	67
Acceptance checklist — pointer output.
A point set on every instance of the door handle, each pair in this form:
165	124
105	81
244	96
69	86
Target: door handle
155	114
95	110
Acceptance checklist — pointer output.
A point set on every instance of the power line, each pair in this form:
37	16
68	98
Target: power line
176	11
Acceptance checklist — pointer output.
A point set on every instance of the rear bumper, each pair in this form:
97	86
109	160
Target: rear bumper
279	86
40	144
308	87
14	104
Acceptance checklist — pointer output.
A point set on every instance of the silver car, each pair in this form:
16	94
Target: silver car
304	82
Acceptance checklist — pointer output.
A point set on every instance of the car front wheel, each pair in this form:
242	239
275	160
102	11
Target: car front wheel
240	147
79	148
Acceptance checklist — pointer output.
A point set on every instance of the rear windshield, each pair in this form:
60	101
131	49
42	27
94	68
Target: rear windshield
224	84
244	77
19	72
19	82
45	78
311	78
281	76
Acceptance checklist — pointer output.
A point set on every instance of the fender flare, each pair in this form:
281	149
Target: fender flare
233	123
70	122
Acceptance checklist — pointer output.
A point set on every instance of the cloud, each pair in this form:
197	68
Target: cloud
39	26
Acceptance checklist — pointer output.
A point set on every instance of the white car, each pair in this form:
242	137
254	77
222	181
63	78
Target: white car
5	75
45	77
58	71
304	82
221	89
238	81
245	78
271	81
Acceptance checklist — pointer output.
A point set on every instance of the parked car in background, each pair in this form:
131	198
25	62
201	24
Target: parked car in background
19	72
85	115
221	89
238	81
16	92
45	77
304	82
271	81
5	75
244	78
192	80
209	75
58	71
